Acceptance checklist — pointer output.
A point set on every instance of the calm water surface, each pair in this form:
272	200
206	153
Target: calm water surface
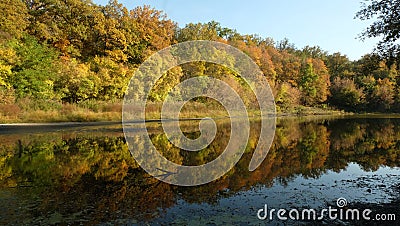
86	175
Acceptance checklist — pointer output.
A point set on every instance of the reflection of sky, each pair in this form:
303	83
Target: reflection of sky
351	184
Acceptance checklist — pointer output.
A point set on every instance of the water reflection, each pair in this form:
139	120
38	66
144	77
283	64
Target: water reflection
87	175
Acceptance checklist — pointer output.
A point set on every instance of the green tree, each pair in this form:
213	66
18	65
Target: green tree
368	83
307	83
34	72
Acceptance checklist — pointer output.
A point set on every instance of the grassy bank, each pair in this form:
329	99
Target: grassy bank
26	110
93	111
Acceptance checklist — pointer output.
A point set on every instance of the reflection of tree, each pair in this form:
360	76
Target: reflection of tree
95	177
346	134
313	148
65	161
368	142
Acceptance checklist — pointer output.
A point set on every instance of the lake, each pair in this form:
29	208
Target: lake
85	174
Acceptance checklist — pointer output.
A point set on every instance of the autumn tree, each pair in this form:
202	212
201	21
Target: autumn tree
287	97
202	31
367	64
323	81
76	82
13	18
383	95
154	31
75	50
312	52
286	45
8	58
67	25
346	95
339	66
113	32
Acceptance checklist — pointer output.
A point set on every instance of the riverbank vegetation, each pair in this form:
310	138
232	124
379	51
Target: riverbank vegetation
72	61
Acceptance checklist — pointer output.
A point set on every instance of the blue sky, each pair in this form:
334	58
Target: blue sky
329	24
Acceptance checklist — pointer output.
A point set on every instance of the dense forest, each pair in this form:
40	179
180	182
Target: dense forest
66	55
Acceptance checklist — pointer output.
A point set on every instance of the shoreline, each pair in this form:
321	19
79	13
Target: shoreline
114	122
7	128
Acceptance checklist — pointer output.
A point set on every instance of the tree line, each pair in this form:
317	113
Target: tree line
72	51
